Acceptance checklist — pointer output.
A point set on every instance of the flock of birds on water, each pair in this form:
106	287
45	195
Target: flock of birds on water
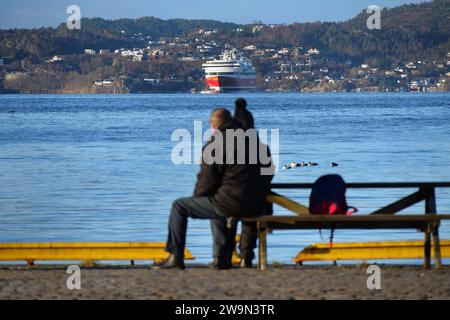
294	164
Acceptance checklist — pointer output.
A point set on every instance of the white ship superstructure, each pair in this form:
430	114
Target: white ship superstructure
230	73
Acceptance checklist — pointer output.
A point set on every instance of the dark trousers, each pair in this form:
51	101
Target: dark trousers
249	235
247	243
196	208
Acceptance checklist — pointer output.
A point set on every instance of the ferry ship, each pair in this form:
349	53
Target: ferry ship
230	73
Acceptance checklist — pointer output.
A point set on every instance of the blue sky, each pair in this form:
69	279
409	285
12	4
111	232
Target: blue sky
37	13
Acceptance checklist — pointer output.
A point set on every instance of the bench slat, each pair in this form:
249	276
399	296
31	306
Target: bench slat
361	218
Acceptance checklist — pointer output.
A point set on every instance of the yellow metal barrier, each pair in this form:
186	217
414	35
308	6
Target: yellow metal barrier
85	251
235	259
368	251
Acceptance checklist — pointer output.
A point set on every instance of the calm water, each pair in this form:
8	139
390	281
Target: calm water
98	167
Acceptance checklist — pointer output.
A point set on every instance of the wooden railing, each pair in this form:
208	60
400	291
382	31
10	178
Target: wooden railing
426	192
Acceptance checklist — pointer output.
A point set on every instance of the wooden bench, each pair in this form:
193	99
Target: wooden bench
429	224
383	218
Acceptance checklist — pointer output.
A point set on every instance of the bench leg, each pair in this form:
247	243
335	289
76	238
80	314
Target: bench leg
427	247
437	249
262	261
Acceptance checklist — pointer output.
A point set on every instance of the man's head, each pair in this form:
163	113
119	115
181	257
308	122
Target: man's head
218	117
240	103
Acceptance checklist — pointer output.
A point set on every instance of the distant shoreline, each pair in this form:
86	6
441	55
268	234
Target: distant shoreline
221	94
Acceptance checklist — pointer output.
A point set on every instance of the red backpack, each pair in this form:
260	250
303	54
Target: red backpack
328	198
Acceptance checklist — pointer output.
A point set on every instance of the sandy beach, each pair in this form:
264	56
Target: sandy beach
199	282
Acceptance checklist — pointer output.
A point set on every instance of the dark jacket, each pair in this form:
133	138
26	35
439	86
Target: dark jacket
245	117
237	190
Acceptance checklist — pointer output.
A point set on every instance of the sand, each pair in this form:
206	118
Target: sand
200	282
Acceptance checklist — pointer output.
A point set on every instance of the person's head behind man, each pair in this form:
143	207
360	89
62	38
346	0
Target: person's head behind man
218	117
240	103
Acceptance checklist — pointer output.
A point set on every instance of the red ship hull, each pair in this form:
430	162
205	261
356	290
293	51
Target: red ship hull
230	84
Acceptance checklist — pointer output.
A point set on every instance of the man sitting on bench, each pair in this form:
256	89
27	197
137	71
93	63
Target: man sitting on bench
225	187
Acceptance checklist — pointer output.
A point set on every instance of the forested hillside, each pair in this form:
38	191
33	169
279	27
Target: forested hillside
173	50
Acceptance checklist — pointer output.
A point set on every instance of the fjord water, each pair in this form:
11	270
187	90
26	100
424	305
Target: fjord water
98	167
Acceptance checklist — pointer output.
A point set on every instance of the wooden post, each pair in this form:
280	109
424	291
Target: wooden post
430	200
258	225
437	247
430	208
427	247
262	238
262	261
